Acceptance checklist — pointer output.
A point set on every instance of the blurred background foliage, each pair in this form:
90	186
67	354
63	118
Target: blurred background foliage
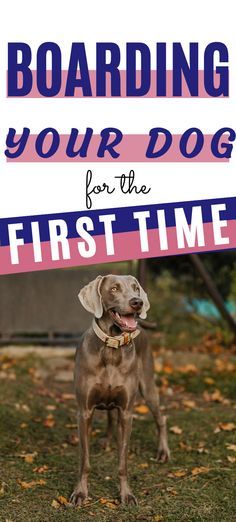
180	304
221	266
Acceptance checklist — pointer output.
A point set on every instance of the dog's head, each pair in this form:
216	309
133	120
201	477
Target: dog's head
120	297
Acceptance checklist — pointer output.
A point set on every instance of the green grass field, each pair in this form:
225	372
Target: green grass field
39	453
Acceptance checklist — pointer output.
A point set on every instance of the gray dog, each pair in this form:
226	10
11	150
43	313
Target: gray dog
113	362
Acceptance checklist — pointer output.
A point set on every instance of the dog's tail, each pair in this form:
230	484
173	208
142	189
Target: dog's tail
147	325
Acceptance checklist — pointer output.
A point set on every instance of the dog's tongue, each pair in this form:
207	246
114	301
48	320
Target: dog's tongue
129	321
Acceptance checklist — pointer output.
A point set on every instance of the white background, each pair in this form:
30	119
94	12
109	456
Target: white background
36	188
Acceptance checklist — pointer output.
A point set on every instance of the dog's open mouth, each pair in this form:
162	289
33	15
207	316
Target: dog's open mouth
126	323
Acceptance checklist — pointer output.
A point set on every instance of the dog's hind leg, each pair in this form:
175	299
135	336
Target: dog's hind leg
109	432
106	440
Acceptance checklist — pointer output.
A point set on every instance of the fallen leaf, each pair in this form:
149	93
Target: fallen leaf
111	505
108	503
180	473
201	444
185	446
164	382
62	500
73	439
176	430
172	491
226	426
201	469
68	396
209	380
8	364
177	474
25	407
32	371
41	469
223	365
187	368
168	368
22	407
158	367
144	465
141	409
50	407
215	396
29	457
49	422
11	376
231	447
202	450
71	426
55	504
189	404
95	432
158	518
23	425
28	485
231	459
44	392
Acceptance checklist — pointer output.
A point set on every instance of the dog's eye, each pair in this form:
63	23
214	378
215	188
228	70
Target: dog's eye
114	289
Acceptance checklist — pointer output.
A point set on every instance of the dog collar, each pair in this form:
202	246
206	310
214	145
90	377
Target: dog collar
116	341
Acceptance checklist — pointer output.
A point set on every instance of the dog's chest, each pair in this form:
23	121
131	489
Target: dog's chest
110	356
115	368
121	357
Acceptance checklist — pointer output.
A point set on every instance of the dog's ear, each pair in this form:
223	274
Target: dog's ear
90	297
146	304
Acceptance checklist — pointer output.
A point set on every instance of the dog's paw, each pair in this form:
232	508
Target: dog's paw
78	498
163	455
129	499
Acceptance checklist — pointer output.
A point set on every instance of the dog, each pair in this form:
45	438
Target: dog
112	363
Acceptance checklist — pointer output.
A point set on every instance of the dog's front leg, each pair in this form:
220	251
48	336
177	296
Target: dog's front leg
124	430
80	493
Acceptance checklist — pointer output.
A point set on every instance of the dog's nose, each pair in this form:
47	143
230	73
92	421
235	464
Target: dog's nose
136	303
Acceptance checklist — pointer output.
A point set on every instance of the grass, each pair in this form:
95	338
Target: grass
32	401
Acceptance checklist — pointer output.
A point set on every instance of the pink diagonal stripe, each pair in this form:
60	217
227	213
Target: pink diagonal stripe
202	93
126	246
132	148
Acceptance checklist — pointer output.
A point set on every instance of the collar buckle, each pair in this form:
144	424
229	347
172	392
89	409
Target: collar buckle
111	342
127	337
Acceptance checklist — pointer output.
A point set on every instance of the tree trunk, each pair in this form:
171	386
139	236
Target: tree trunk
213	291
